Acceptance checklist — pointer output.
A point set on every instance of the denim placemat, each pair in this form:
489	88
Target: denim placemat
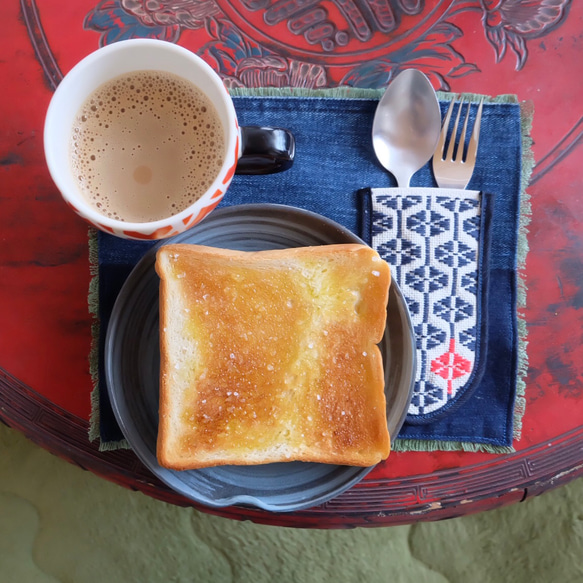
334	160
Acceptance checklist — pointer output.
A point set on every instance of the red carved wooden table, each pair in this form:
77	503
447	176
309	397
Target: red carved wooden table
531	48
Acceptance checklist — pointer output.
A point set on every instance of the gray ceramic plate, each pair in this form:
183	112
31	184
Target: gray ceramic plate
132	363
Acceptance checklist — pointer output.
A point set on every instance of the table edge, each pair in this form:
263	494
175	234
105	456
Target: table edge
501	480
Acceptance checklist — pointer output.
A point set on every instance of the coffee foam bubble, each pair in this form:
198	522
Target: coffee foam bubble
146	146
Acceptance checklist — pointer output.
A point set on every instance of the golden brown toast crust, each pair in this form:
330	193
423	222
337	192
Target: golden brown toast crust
271	356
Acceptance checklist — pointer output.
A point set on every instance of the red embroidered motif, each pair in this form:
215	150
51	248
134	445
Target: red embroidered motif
450	366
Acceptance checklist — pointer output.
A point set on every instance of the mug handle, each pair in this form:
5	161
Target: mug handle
265	150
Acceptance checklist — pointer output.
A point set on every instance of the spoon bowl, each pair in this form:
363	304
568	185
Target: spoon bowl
406	125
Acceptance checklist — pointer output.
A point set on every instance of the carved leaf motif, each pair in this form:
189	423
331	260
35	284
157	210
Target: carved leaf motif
373	74
433	54
225	63
518	46
212	28
115	24
532	18
512	22
463	70
231	49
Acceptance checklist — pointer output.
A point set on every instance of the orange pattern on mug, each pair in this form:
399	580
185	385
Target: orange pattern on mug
157	234
231	172
104	228
204	212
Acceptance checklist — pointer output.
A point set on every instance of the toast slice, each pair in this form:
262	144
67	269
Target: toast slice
271	356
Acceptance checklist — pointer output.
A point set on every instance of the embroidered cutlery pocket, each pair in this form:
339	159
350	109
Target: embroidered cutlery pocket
436	242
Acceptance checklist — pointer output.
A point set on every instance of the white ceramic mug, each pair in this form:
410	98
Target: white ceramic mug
248	150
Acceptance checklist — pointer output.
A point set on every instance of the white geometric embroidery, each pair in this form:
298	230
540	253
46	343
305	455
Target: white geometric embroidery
431	241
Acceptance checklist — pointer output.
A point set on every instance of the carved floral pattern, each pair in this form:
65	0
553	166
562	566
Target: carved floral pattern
513	22
245	59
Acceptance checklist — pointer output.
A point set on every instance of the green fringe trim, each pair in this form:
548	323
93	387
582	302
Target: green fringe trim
528	162
476	97
115	445
399	445
356	93
333	93
93	301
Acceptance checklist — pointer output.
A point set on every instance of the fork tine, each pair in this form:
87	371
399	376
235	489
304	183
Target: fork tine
453	137
462	143
475	137
440	148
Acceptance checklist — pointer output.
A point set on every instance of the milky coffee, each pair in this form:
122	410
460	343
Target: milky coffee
145	146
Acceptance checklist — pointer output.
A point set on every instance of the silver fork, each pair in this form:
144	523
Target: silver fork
456	172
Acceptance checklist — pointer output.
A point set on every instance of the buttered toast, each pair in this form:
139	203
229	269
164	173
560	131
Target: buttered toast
271	356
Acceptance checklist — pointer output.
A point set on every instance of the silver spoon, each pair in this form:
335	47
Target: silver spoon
406	125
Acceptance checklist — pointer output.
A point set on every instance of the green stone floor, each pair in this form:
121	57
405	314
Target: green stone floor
61	524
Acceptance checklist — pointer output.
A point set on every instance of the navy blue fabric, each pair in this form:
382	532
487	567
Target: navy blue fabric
334	160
